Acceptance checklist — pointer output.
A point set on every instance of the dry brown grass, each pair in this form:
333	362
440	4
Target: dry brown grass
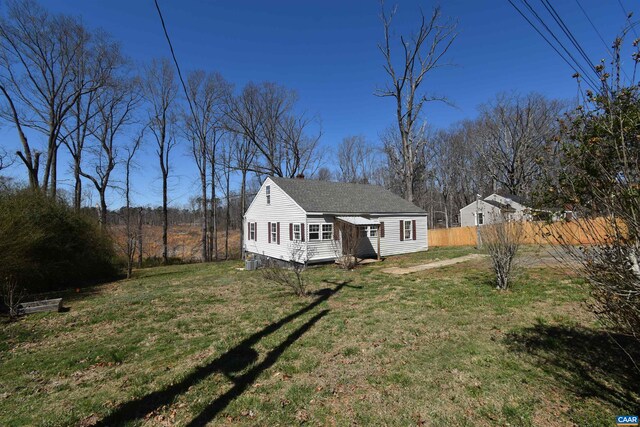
183	240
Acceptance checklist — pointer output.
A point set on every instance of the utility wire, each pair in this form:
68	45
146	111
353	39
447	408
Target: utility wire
567	32
575	65
175	61
585	74
584	12
627	15
542	35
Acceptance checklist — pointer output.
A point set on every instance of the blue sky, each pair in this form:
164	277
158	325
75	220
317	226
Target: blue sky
327	51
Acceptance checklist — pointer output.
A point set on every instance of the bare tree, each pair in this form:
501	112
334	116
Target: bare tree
394	176
502	241
290	273
217	136
356	160
12	295
244	153
265	116
516	139
423	52
324	174
224	177
207	93
161	90
132	237
114	108
100	61
5	159
39	80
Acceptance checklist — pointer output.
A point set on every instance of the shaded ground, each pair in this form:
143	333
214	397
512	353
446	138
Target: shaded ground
207	344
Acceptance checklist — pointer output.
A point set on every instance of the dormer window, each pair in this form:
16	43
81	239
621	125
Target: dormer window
268	190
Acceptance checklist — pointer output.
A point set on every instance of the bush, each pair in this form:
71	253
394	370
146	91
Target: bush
502	241
290	274
45	245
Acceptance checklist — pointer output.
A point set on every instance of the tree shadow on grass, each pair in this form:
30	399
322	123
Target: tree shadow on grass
233	361
587	362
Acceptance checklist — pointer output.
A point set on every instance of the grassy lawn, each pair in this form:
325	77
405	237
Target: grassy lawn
193	344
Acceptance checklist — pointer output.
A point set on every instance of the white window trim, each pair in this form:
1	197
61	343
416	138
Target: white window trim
373	231
252	231
268	191
321	231
404	230
297	234
330	231
479	218
274	232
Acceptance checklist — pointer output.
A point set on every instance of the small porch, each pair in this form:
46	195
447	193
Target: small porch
360	237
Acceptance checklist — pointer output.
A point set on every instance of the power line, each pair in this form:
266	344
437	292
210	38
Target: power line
628	16
567	32
175	61
584	12
575	65
600	36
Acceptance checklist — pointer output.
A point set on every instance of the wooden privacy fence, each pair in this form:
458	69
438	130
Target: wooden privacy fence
577	232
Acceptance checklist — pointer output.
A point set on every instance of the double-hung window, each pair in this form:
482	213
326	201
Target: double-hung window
297	235
314	231
320	231
274	232
268	191
327	231
373	231
252	231
480	218
407	230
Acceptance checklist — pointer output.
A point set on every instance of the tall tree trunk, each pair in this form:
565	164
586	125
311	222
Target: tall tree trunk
140	211
204	204
165	220
228	218
77	189
54	172
243	192
214	219
130	241
103	208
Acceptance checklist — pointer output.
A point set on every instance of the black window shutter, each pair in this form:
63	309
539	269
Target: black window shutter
278	233
269	231
414	230
401	230
302	231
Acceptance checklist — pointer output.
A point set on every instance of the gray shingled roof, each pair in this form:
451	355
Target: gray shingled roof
499	205
340	197
515	198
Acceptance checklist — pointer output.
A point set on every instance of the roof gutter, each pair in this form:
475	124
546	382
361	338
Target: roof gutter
367	213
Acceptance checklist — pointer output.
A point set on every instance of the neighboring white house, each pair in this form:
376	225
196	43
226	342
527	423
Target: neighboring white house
288	214
494	208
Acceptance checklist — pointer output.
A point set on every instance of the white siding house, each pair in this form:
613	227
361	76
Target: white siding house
492	209
289	215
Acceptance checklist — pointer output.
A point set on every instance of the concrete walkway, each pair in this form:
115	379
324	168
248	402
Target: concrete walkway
436	264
